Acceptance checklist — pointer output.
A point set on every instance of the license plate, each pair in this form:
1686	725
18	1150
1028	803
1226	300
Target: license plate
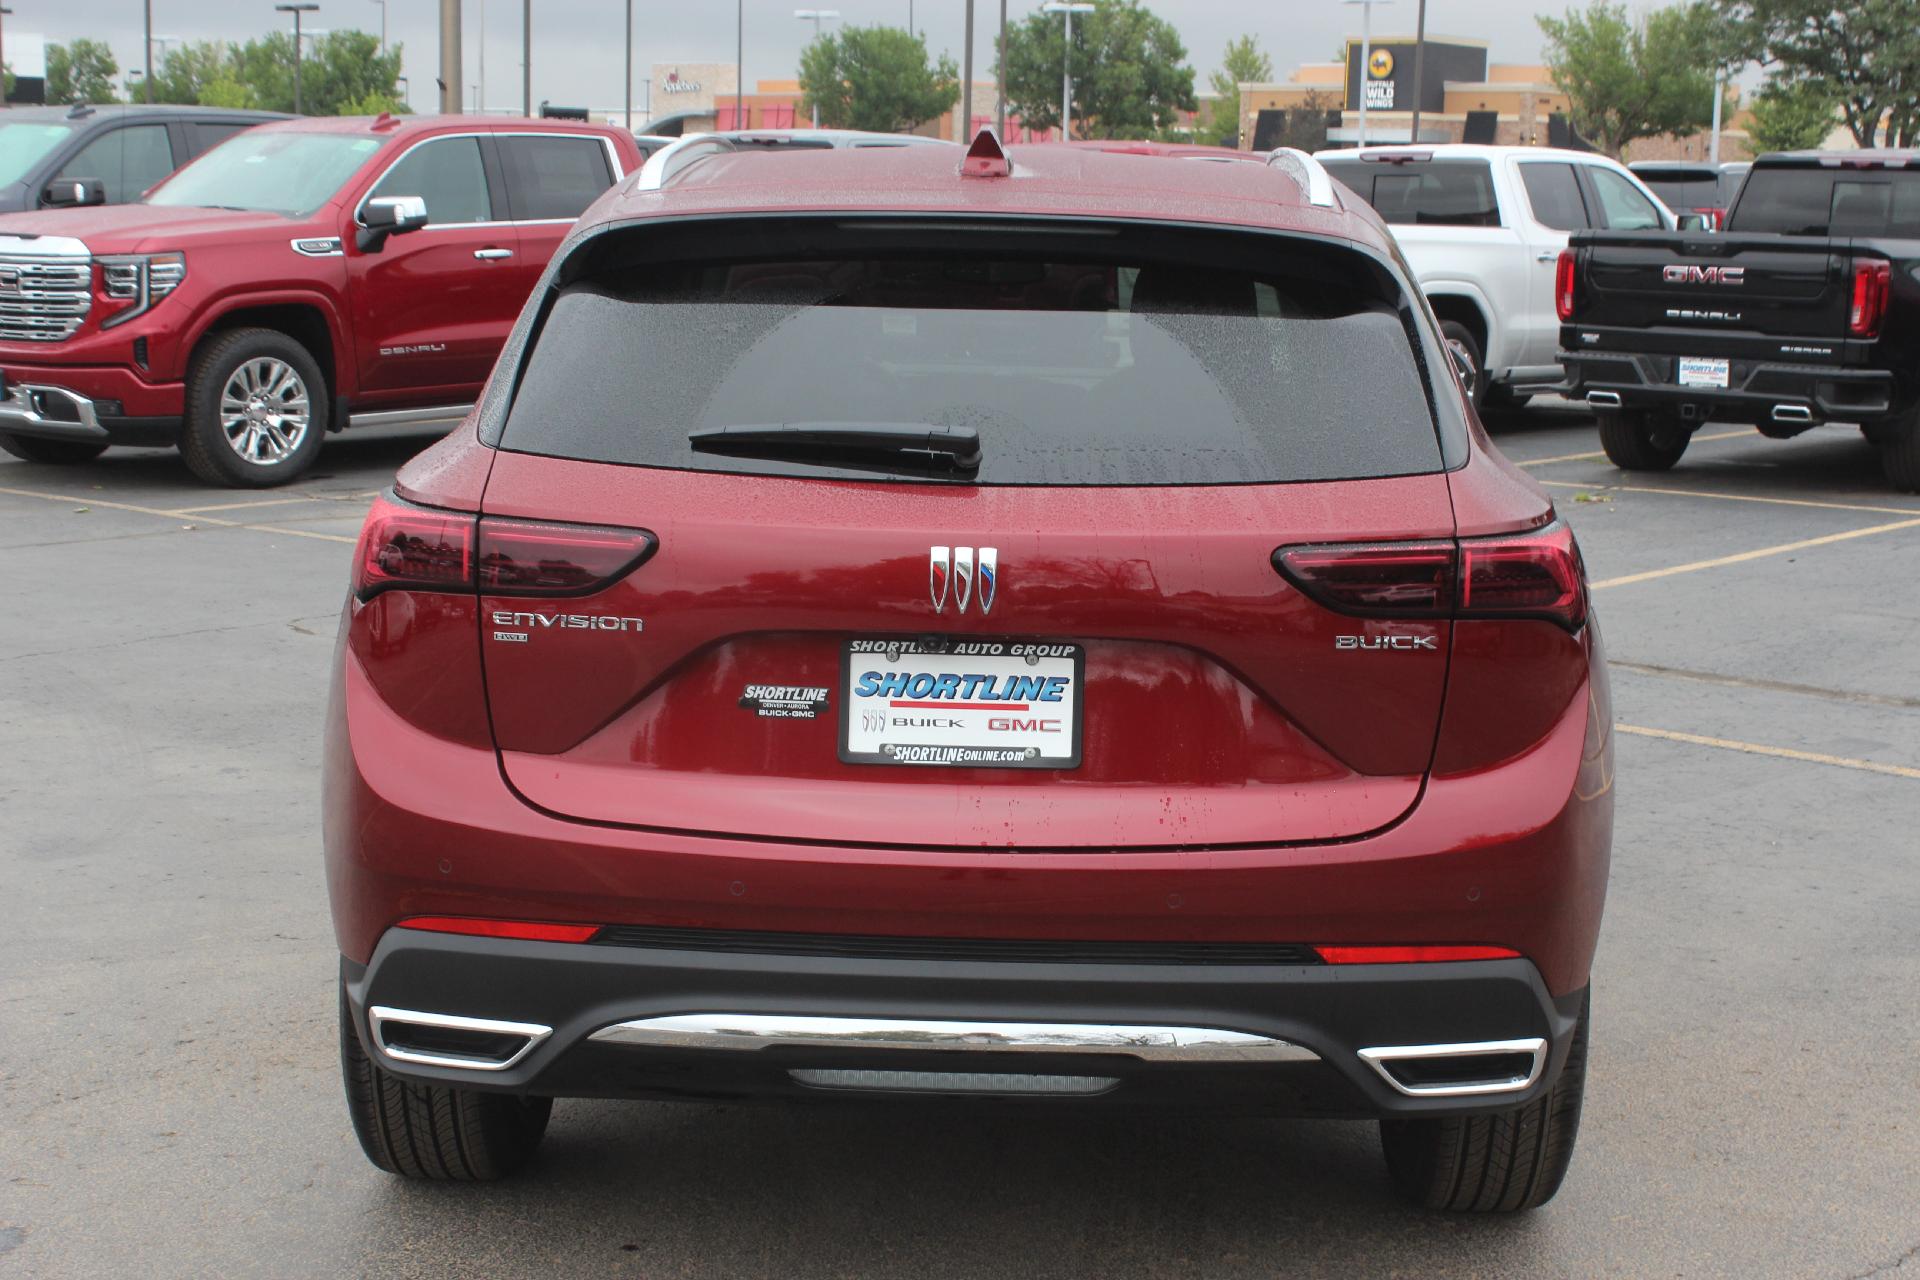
1697	371
971	703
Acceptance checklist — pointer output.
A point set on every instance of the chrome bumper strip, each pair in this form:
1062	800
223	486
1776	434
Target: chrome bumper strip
754	1031
26	403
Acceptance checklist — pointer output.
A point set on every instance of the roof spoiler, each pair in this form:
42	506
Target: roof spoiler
666	164
1315	182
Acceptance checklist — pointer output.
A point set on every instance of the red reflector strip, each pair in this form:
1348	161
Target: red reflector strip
526	930
1413	955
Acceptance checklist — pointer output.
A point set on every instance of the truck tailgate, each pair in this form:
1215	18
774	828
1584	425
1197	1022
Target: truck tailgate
1742	287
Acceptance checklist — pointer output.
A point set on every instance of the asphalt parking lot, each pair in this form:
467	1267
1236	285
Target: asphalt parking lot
169	1094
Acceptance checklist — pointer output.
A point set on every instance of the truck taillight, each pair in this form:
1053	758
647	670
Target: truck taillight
1563	278
1872	282
1524	575
425	549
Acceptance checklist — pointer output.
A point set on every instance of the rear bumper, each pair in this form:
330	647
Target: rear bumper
1758	391
627	1022
100	405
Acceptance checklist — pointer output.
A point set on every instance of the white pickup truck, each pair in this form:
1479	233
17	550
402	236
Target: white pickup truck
1483	228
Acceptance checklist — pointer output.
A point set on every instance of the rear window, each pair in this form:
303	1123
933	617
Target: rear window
1442	193
1076	359
1684	193
1830	202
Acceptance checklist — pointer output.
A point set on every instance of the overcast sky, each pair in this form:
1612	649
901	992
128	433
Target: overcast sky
576	49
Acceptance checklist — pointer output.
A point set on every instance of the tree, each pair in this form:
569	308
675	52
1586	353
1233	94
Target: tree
1128	77
187	69
81	72
1867	52
1792	115
1242	63
1626	80
876	78
228	92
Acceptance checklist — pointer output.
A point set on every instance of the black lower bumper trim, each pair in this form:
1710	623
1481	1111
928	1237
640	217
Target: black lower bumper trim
1755	388
1333	1010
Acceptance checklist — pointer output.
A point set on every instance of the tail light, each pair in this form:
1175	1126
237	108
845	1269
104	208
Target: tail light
1531	575
482	927
1563	279
1441	954
1872	282
425	549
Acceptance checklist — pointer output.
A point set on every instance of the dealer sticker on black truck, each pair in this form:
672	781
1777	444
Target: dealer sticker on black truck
970	703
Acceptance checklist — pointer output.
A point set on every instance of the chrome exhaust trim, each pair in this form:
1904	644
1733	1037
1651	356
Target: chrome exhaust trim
1604	399
380	1018
1792	413
1382	1059
755	1031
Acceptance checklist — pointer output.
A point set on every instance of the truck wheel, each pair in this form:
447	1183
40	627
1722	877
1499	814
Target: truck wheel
256	408
434	1132
1492	1163
1899	445
1641	440
54	453
1461	339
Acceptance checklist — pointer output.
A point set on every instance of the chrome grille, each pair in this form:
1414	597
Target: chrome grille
41	299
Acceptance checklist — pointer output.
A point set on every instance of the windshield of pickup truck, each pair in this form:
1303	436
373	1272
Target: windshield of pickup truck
1830	202
282	171
22	145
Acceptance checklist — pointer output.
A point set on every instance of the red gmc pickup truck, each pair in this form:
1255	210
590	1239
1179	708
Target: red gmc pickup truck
298	279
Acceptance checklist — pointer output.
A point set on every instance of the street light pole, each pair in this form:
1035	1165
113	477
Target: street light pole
629	66
1000	76
966	93
383	26
816	16
1066	65
296	10
739	63
1419	57
450	60
526	57
146	86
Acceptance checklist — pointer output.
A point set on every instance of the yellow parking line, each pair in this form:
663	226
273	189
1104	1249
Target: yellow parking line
241	506
1601	454
88	500
1730	497
1761	553
1783	753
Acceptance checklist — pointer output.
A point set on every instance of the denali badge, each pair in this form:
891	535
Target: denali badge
952	568
1695	274
1386	642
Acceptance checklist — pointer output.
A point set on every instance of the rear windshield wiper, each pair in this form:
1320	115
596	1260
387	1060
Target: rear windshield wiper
950	448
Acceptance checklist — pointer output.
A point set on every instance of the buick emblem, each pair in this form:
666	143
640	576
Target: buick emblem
964	575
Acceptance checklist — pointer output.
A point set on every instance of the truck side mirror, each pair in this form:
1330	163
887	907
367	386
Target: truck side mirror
73	193
385	216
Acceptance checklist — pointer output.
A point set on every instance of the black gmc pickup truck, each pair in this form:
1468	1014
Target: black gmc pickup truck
1806	310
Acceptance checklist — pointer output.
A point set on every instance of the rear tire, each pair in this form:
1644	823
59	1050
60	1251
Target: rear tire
257	406
1500	1163
1898	443
1457	335
433	1132
53	453
1641	440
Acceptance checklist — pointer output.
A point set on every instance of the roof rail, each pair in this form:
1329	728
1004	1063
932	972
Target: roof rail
669	161
1312	176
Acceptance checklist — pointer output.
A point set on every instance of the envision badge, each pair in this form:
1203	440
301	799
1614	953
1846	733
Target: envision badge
1696	274
951	569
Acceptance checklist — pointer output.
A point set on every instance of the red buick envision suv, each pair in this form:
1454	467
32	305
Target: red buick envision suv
1047	626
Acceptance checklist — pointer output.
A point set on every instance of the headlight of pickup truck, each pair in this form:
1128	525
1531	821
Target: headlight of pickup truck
139	279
